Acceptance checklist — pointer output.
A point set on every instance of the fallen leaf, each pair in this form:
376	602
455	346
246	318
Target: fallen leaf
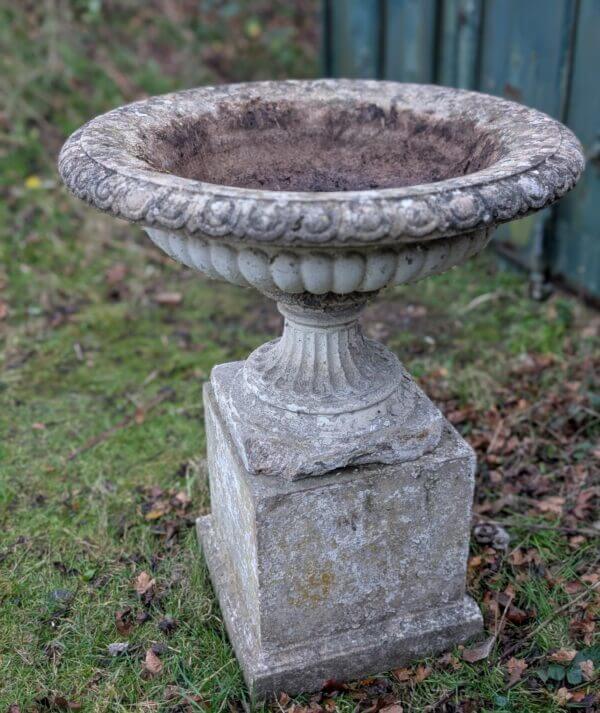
553	504
479	651
583	629
459	416
3	313
563	696
142	617
519	616
395	708
32	182
402	674
500	604
475	562
152	664
495	477
123	621
172	693
332	685
448	659
14	708
159	648
143	583
169	299
515	668
157	511
587	669
167	625
573	587
421	673
563	656
116	274
181	499
584	503
578	696
520	557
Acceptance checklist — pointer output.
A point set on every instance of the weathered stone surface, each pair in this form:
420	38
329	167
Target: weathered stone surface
511	160
350	558
342	575
319	271
323	396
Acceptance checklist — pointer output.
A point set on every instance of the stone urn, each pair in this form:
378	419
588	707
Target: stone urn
341	497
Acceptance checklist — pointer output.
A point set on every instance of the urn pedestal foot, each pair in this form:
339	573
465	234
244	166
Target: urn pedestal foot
323	396
342	575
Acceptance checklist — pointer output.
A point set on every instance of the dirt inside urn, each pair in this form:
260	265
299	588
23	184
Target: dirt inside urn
281	146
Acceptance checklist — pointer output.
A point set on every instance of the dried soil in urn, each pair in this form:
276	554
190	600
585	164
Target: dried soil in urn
288	147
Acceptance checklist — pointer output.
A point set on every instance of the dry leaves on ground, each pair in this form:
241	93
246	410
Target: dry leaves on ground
143	583
152	666
168	299
480	651
563	655
516	668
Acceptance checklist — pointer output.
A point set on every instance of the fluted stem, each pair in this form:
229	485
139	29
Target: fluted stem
323	363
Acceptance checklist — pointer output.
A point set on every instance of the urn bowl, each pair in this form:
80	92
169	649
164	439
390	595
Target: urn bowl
327	186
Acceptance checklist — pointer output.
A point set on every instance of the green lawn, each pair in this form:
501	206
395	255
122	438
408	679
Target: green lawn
106	343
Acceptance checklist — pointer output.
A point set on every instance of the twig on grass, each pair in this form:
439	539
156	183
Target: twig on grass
587	531
163	395
513	522
546	621
499	628
440	701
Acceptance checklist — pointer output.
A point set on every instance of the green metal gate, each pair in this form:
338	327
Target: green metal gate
544	53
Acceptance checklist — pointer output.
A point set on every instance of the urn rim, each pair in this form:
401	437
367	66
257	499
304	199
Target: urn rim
539	160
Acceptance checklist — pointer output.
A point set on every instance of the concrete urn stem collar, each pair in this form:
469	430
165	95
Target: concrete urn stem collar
340	496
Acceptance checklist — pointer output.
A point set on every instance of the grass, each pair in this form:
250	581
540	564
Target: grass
101	459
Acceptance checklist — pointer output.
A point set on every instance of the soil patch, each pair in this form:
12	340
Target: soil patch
284	146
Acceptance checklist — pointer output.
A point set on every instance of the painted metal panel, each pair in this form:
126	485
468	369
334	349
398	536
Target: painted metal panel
575	249
525	53
354	38
409	35
460	43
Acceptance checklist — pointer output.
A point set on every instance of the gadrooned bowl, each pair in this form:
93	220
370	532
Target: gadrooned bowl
321	186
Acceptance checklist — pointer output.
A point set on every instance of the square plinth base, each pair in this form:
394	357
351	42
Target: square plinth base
350	655
343	575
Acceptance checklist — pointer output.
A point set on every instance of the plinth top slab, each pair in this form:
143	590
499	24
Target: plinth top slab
324	163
